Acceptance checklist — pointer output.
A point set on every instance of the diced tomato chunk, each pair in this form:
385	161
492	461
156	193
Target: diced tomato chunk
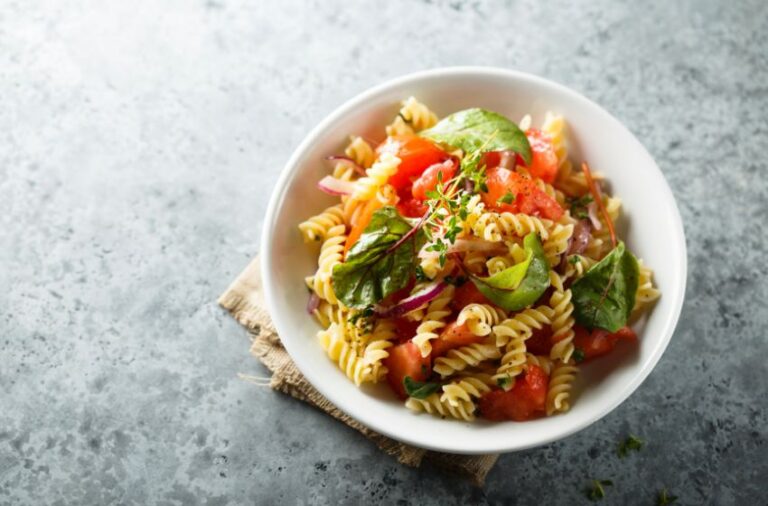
429	178
415	154
467	294
453	336
540	342
599	342
362	220
543	156
405	329
405	360
528	198
411	207
524	401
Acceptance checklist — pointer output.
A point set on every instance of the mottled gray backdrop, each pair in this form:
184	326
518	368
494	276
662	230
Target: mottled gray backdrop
130	131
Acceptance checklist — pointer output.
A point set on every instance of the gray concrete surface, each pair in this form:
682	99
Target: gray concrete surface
139	142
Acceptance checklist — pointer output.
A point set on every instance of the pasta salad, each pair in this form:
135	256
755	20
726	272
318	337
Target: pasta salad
470	265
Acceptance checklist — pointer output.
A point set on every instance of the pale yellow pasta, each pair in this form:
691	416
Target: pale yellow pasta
461	358
560	384
335	343
417	114
486	227
562	321
463	390
366	187
327	313
379	342
522	324
399	127
331	254
577	265
434	406
497	264
361	152
646	292
316	228
474	261
558	242
522	225
480	318
434	321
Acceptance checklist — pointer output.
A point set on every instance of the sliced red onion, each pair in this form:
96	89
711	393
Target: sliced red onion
347	160
580	237
469	186
313	303
412	302
465	245
333	186
592	210
507	159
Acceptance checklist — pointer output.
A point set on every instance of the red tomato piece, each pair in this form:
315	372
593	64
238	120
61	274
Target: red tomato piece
405	360
599	342
429	178
467	294
540	342
416	154
543	156
405	329
529	199
524	401
453	336
411	207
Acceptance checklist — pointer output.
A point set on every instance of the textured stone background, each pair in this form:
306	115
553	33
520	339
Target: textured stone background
129	129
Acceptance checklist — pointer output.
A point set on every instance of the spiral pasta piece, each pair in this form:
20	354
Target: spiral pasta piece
463	390
376	349
399	127
434	321
417	114
331	254
366	187
557	244
522	225
327	313
577	265
465	410
361	152
522	324
560	384
486	227
497	264
562	322
459	359
334	342
479	318
316	228
474	261
646	292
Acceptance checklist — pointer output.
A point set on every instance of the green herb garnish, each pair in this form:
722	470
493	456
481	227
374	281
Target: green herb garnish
596	492
504	382
507	198
578	355
632	443
579	206
605	295
419	389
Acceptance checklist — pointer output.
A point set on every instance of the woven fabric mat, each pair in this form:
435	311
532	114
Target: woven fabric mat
244	300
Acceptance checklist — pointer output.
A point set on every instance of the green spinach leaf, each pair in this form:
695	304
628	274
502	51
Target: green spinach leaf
475	129
419	389
372	271
605	295
521	285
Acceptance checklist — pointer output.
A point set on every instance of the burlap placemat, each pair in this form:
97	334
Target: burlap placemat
244	300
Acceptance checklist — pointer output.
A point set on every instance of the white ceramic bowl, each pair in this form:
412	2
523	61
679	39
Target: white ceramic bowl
653	230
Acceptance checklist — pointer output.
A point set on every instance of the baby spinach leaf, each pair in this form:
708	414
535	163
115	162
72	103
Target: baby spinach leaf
475	129
371	271
521	285
419	389
605	295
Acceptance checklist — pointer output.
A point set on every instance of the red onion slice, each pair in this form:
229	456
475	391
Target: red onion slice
333	186
347	160
313	303
465	245
580	237
412	302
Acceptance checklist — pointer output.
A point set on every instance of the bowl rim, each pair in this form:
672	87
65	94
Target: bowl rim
347	406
